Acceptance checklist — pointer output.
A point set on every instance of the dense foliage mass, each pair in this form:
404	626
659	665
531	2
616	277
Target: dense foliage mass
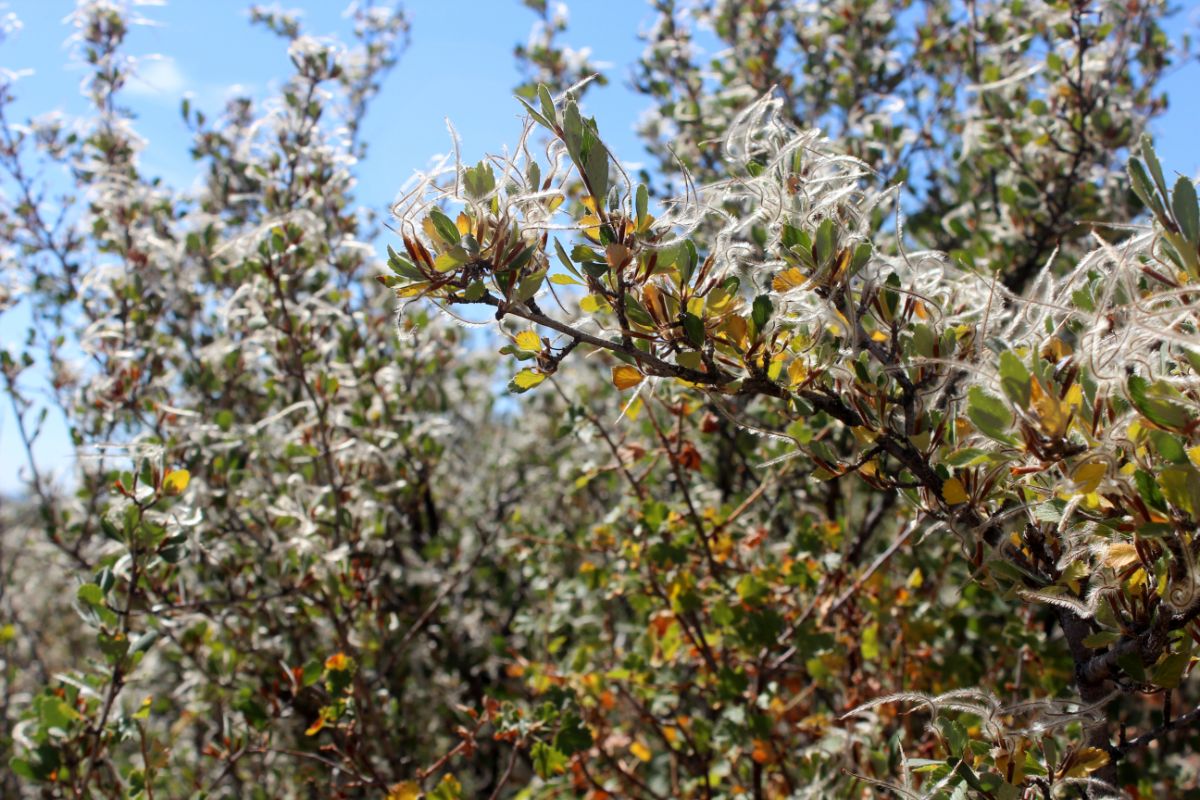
841	464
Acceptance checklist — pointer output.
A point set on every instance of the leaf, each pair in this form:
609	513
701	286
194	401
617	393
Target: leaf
547	103
953	492
176	482
450	260
479	181
870	642
548	761
448	788
528	341
90	594
1142	187
641	199
1087	477
1157	402
1169	447
1120	555
559	279
1014	379
445	227
1101	639
626	377
1168	673
1152	164
1083	762
1187	213
593	304
790	278
529	286
407	790
693	328
1181	488
761	312
989	414
1053	413
640	751
525	380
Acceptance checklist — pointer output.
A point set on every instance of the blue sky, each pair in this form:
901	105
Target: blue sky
459	66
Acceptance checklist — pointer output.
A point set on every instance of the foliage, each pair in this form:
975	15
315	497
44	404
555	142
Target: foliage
857	465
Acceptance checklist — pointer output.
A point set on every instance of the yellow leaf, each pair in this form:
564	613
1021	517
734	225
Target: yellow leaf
1194	454
593	304
737	331
176	481
1120	555
790	278
338	662
640	750
719	300
315	728
412	290
529	342
463	223
1056	349
797	372
953	492
562	279
626	377
527	378
775	368
1083	762
616	255
879	336
1053	414
408	790
652	300
590	224
915	579
1087	477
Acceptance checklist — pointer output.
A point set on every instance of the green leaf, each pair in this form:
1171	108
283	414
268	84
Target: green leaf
597	171
548	761
1153	165
402	266
862	254
525	380
573	736
23	769
1101	639
1158	402
1187	213
693	328
444	226
1181	487
529	286
547	102
1169	447
641	200
1143	188
1014	379
761	312
479	181
989	414
90	594
1169	672
870	642
541	120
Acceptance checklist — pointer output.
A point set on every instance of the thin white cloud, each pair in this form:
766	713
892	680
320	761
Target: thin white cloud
157	76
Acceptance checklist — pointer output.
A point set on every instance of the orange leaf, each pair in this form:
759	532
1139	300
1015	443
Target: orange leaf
626	377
